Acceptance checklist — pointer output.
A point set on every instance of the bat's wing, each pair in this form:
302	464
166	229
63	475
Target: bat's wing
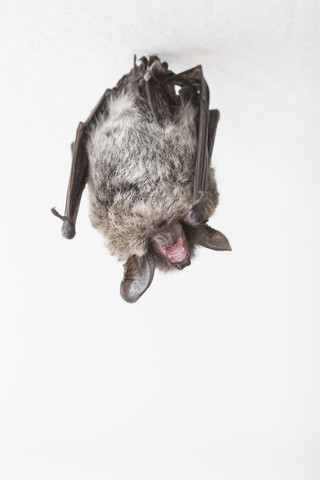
138	275
77	182
79	170
193	86
207	126
214	116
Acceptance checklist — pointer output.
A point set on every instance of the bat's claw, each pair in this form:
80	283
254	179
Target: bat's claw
68	228
196	213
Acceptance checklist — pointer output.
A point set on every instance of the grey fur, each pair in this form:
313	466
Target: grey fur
141	174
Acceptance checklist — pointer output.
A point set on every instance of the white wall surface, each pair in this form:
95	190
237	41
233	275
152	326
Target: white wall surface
214	373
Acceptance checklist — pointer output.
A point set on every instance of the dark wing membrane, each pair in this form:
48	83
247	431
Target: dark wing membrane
79	170
195	78
214	116
193	85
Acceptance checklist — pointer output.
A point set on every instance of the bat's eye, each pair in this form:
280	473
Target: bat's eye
162	224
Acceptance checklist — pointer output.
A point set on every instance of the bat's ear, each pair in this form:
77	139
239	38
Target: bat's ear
138	275
210	238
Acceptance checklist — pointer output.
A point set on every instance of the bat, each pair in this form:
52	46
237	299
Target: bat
145	154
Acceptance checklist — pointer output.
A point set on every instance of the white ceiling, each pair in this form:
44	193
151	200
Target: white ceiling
214	373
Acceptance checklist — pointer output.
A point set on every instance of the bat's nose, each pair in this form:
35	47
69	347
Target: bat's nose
185	263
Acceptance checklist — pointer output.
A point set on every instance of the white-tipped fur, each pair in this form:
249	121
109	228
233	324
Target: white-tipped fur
141	174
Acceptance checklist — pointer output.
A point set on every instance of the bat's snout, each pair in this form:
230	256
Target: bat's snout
185	263
172	244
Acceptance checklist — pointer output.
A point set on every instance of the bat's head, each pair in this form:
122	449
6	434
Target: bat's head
168	248
171	246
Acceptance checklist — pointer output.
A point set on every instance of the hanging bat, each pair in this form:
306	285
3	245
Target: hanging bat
145	153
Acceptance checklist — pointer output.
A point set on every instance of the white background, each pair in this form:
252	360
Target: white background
214	373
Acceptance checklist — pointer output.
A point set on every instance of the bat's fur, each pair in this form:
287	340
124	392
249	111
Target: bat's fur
141	175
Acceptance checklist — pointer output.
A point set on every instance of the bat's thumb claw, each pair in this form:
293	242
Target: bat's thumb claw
68	229
196	216
196	212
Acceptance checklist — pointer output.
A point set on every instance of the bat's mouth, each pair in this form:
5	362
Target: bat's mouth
178	253
172	244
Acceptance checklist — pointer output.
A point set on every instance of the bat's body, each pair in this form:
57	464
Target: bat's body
145	154
141	174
